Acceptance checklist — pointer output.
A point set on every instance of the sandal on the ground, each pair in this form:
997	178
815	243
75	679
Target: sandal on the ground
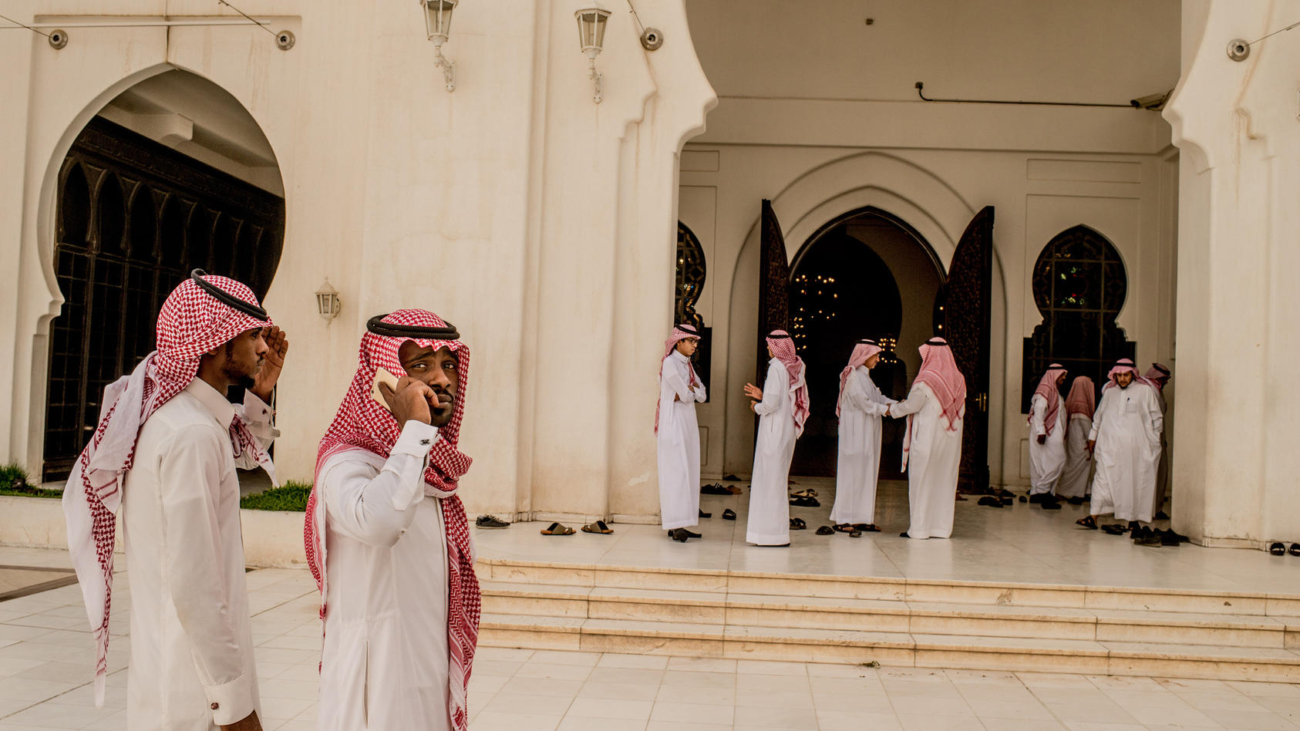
490	521
1277	549
555	529
825	530
867	527
728	514
1112	529
804	493
855	533
597	527
843	528
704	514
1295	549
1087	522
797	524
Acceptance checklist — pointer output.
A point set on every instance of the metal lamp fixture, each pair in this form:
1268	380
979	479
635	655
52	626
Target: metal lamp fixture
591	35
328	302
437	24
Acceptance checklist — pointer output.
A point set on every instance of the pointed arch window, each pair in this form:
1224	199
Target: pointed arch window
1079	287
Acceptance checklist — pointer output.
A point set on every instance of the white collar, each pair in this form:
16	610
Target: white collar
216	404
678	355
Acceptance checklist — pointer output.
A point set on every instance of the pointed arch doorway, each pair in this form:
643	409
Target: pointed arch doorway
173	174
866	274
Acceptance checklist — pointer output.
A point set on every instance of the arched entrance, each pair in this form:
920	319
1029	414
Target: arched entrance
864	274
172	175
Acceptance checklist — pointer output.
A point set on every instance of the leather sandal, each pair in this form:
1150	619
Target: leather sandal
555	529
597	527
728	514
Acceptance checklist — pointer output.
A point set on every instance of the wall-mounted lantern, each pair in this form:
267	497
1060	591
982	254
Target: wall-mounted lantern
437	24
591	35
328	302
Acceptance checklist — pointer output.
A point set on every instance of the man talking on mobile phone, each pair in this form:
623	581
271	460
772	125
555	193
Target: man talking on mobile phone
387	537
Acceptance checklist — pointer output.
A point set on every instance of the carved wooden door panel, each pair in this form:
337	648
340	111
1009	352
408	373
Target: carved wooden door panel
965	319
773	285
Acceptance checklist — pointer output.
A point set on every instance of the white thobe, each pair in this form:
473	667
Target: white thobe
1048	459
859	459
385	662
932	463
192	665
769	491
1127	429
1078	463
679	444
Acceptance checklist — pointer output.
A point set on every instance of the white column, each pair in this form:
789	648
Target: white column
1239	247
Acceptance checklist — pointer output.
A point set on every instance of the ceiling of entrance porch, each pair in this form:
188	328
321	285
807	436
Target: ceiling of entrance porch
200	119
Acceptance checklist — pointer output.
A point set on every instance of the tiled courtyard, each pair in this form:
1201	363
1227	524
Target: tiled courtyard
45	667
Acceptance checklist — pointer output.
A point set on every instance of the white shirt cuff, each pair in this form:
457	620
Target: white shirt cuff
416	440
408	459
231	702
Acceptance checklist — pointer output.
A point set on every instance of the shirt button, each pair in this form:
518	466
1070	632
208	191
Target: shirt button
214	706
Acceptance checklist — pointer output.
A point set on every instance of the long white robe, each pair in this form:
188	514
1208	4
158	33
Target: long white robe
859	460
1045	460
385	662
1078	463
679	444
769	492
1127	429
932	463
192	665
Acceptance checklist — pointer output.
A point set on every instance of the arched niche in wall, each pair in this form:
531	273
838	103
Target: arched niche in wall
692	270
1079	286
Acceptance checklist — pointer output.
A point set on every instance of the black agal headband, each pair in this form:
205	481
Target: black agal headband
393	330
226	298
774	336
936	343
866	341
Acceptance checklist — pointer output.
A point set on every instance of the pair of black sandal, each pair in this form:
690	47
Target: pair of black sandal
798	524
805	502
1278	549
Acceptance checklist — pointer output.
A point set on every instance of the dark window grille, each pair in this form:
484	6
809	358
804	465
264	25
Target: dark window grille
1079	286
691	272
134	217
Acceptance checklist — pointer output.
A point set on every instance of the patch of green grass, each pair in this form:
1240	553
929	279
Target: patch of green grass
14	481
292	496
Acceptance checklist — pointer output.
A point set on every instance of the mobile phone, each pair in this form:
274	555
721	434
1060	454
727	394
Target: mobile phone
382	376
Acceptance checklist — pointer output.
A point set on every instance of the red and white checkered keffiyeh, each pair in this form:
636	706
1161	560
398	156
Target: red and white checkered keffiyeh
862	353
782	346
1123	365
1082	398
680	333
1051	394
191	323
940	374
361	423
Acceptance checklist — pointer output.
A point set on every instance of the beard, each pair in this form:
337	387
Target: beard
239	377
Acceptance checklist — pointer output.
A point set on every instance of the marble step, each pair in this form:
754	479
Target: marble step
998	594
890	649
820	613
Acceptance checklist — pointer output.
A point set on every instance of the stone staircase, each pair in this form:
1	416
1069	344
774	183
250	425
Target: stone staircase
896	622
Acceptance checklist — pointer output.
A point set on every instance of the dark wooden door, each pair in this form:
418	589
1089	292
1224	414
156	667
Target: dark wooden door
964	317
773	285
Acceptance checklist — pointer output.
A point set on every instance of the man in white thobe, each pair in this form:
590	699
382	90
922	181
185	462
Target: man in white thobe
782	406
678	434
388	540
860	409
175	478
1047	427
935	409
1125	442
1079	408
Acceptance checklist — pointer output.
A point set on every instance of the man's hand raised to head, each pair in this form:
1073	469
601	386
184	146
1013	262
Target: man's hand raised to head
277	346
411	400
250	723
